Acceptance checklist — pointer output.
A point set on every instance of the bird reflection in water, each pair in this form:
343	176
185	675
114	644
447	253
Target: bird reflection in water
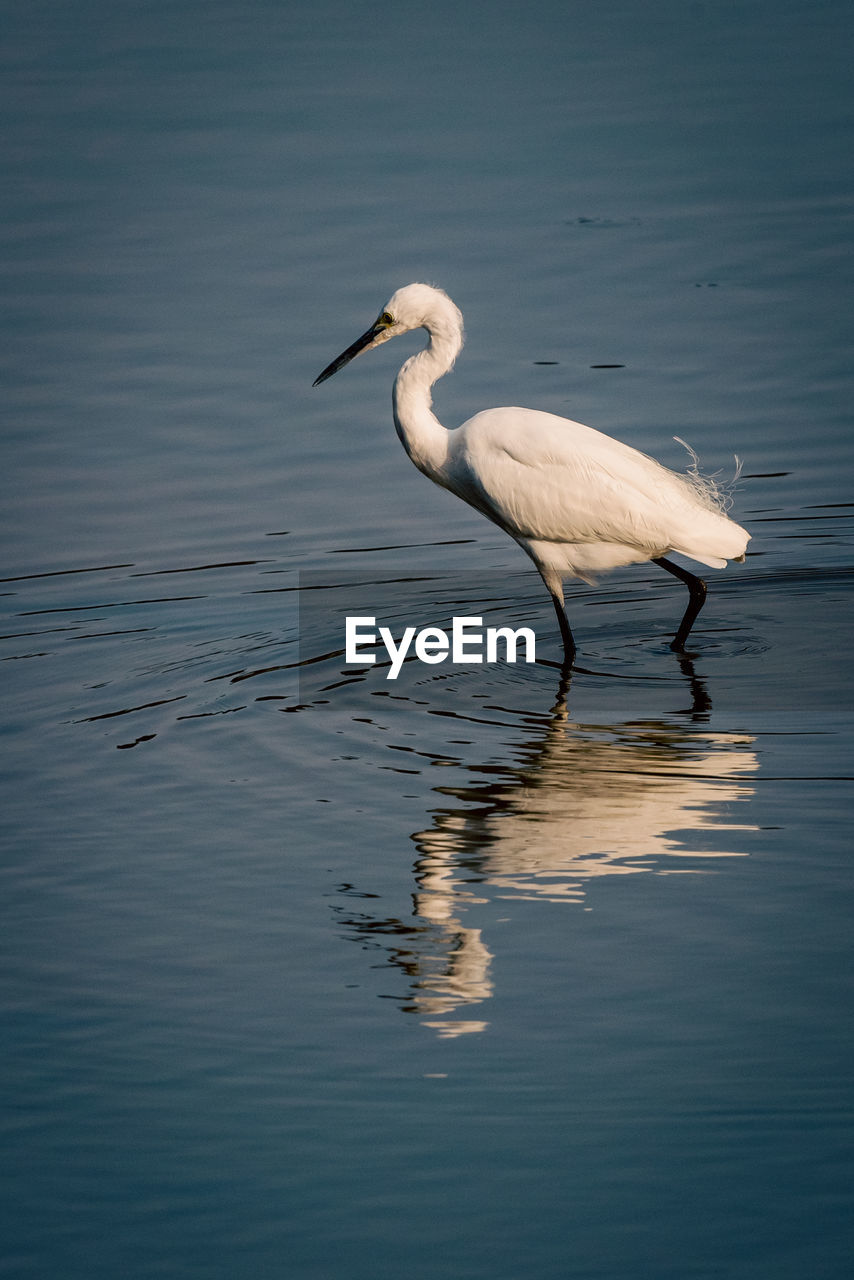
580	802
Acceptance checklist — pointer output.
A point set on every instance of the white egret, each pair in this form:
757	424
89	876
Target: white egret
577	501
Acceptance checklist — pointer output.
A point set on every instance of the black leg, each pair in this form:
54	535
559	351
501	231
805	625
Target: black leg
565	632
697	595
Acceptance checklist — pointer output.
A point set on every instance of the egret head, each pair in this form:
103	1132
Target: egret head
415	306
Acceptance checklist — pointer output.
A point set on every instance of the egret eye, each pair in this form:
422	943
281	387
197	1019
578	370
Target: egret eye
387	318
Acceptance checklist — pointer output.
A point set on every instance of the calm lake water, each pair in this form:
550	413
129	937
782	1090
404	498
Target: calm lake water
309	973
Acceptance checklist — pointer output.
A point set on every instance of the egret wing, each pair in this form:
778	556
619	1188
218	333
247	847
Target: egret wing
545	478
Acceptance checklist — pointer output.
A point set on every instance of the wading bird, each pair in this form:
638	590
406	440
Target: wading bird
577	501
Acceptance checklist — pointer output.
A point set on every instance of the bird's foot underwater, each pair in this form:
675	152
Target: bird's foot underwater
678	646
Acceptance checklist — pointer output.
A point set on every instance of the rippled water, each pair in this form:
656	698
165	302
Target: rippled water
476	972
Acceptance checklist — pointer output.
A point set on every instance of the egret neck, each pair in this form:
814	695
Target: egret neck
421	433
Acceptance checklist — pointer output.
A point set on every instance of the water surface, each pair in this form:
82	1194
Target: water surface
478	972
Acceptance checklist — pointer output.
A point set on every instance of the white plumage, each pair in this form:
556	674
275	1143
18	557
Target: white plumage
577	501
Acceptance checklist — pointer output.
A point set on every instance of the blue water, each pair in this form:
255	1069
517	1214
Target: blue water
475	973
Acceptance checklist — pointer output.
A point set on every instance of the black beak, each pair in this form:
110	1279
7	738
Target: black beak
346	356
